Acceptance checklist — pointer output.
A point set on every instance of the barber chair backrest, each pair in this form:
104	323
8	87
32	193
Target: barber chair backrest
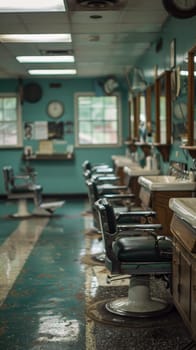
107	223
86	165
106	216
92	192
110	218
8	175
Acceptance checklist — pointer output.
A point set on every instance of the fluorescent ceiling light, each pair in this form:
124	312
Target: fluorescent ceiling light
32	6
45	59
35	38
52	71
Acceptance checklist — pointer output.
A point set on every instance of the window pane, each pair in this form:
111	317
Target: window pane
9	103
98	120
8	134
9	121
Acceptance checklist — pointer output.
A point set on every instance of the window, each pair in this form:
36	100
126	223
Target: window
97	120
10	121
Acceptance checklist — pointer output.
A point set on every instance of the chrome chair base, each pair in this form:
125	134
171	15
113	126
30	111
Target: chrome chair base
139	302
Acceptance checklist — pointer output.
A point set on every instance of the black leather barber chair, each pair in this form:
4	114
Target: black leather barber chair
23	187
121	202
140	254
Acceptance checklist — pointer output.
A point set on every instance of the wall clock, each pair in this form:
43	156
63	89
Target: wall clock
180	8
55	109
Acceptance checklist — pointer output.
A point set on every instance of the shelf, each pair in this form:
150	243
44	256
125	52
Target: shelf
146	147
131	145
56	156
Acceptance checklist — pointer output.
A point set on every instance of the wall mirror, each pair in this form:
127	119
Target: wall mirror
163	108
179	95
142	117
137	115
191	121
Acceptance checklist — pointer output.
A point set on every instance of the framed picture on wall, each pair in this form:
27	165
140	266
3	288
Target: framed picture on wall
173	53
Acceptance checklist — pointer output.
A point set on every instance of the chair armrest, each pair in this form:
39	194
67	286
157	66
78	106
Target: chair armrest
115	189
119	196
137	213
24	177
105	178
102	169
21	181
145	227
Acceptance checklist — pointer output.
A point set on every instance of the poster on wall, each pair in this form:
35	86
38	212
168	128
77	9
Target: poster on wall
41	130
28	131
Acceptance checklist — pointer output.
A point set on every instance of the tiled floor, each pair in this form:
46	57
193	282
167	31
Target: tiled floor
52	292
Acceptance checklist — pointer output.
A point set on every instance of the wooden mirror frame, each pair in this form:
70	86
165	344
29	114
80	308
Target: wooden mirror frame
137	116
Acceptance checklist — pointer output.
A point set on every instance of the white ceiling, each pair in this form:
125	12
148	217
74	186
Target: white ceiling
106	46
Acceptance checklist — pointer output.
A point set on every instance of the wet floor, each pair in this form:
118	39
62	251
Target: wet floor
52	293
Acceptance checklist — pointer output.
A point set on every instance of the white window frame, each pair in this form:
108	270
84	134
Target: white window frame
119	127
19	142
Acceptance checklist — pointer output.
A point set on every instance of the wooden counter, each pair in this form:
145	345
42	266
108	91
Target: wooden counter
184	271
159	201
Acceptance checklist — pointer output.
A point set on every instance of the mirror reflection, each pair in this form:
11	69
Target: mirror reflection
179	94
142	117
163	108
162	111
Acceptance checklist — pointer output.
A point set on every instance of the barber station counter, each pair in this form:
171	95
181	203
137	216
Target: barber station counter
156	195
132	174
119	163
183	227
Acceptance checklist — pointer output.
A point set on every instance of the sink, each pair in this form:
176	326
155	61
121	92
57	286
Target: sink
122	161
166	183
185	208
138	171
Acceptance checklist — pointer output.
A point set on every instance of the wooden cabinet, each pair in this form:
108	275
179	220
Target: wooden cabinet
184	271
159	202
135	189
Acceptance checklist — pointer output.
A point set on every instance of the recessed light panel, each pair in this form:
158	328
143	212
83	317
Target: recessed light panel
32	6
52	71
35	38
45	59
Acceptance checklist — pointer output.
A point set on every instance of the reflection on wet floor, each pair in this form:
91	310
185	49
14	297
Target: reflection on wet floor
53	294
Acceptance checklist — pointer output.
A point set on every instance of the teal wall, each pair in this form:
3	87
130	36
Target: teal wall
57	176
65	177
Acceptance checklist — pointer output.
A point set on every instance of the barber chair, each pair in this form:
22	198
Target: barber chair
139	254
105	183
121	202
23	187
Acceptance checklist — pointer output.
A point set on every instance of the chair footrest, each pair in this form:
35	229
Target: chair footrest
51	205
